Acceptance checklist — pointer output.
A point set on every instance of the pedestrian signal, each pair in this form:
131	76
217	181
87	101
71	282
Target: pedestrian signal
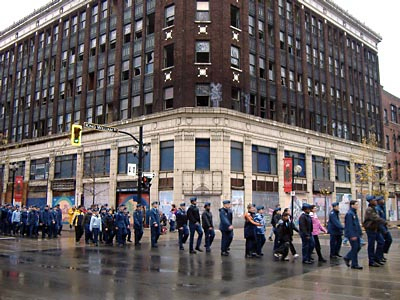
76	135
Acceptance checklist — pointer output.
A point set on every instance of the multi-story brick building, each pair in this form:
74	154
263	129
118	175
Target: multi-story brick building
190	72
391	118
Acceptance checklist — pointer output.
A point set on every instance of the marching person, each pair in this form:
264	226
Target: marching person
372	224
250	227
120	226
293	228
226	227
138	224
317	229
181	224
78	223
352	231
95	226
208	226
335	229
154	221
193	215
172	218
381	210
306	228
260	230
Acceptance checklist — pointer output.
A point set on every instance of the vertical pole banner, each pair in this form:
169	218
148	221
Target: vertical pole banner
287	174
18	188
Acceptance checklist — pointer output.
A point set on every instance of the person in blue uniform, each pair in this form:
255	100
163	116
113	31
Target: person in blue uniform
226	227
372	224
120	226
260	231
46	219
305	231
193	215
353	232
208	226
109	227
181	224
138	223
59	219
24	222
155	226
387	236
335	229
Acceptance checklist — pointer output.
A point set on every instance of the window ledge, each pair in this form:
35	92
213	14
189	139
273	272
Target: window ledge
167	69
168	27
200	22
199	64
235	28
236	69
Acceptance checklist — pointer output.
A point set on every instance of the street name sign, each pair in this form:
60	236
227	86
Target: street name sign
100	127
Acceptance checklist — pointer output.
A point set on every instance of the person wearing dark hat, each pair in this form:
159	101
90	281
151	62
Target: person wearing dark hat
95	226
181	224
352	230
155	226
193	215
138	223
109	227
277	215
46	219
335	229
305	230
372	224
59	218
226	227
208	226
260	230
381	210
120	226
250	234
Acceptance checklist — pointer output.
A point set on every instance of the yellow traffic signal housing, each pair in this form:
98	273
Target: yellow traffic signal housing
76	135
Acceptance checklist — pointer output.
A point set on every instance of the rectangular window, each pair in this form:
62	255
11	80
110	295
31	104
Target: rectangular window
137	66
110	74
126	156
202	154
138	29
149	62
100	78
236	156
202	95
342	170
252	25
393	111
235	57
235	16
320	168
123	109
39	169
387	142
264	160
202	10
65	166
167	156
202	52
298	159
169	16
169	98
261	63
97	163
169	56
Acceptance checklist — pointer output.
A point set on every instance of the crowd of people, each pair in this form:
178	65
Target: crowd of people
104	225
29	222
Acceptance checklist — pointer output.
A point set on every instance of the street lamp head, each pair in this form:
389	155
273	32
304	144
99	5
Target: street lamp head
135	150
297	169
14	167
146	148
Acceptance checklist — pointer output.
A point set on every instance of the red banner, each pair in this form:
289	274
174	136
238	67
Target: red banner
18	188
287	174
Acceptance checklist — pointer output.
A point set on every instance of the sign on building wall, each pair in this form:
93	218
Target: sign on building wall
166	198
237	203
287	174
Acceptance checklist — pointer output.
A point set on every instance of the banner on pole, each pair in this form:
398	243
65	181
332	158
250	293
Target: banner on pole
287	174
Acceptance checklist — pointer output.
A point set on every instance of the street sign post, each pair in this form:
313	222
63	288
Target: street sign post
100	127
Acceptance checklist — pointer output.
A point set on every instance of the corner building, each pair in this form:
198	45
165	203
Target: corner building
223	89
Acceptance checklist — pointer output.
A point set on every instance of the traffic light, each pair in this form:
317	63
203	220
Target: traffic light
76	135
146	182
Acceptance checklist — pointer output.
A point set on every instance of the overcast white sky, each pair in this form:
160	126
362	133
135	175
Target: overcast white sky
381	16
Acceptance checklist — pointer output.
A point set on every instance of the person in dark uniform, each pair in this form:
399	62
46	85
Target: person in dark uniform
109	227
181	224
285	233
59	219
305	230
335	229
24	222
86	225
138	224
78	223
128	225
381	210
250	234
154	221
193	215
372	224
226	227
208	226
46	219
352	231
120	226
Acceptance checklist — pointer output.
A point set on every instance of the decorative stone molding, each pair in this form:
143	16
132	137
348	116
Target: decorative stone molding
202	72
216	136
168	35
235	36
188	136
202	29
168	76
236	77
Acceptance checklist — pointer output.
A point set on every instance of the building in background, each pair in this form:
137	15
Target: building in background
391	119
223	89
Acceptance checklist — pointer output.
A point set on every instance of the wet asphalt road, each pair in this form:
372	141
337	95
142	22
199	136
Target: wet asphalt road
58	269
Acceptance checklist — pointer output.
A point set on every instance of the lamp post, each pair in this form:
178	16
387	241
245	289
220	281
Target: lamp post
295	171
13	168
